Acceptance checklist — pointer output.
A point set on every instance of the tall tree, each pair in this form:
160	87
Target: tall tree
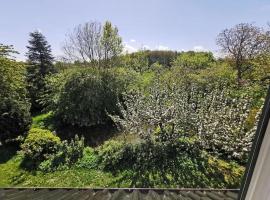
243	43
111	43
94	43
40	64
83	44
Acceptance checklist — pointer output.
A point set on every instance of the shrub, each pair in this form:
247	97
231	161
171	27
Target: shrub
89	159
66	155
110	154
85	97
15	116
38	146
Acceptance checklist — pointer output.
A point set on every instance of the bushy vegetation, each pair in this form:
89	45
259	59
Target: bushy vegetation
98	92
39	145
151	163
43	150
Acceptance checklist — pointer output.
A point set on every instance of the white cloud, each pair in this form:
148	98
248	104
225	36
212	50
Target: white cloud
129	49
199	48
132	40
162	48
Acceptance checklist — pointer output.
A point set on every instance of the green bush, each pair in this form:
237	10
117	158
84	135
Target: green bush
67	154
38	146
44	151
15	116
110	154
89	159
85	97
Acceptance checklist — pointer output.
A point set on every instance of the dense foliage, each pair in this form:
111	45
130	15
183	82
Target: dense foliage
85	96
180	163
15	117
38	146
43	150
215	118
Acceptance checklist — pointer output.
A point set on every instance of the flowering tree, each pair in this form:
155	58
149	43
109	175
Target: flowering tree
214	118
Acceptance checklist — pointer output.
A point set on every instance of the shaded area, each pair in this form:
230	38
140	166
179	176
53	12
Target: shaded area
7	151
117	194
94	136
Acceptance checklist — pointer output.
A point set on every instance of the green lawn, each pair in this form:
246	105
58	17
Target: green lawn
12	175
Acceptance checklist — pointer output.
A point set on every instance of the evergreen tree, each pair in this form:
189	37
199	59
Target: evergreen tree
40	64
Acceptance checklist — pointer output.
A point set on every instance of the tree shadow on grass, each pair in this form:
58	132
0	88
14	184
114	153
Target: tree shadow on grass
94	136
7	151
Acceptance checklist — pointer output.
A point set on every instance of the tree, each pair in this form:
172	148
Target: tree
111	43
216	119
40	64
84	43
6	50
164	58
192	61
93	43
15	117
243	43
137	61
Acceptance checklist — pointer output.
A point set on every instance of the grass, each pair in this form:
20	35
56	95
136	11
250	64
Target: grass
43	121
12	175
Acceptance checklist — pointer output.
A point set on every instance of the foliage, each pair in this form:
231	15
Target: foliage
243	43
137	61
7	50
165	58
14	106
67	154
89	159
40	64
111	43
95	44
110	153
44	151
152	163
217	119
43	121
86	97
38	146
194	60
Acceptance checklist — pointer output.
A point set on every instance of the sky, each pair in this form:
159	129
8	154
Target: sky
151	24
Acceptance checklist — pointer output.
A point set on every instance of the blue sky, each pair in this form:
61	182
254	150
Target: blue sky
154	24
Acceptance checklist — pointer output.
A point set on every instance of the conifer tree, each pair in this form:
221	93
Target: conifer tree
40	64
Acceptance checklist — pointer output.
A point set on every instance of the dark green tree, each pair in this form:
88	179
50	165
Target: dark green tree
40	64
